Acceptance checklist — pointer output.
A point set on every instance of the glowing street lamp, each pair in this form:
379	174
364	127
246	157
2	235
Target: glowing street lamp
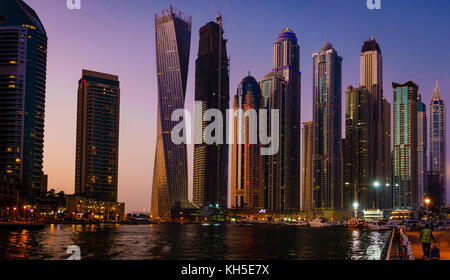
427	202
376	184
355	207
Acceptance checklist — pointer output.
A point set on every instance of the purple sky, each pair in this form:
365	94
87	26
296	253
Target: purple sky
117	37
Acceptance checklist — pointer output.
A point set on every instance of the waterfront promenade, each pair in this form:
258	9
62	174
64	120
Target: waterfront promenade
442	236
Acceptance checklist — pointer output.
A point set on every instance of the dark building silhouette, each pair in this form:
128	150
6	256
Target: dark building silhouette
212	89
355	149
97	150
435	190
170	177
23	62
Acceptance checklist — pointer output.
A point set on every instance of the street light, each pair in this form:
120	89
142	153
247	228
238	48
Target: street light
427	201
376	184
355	206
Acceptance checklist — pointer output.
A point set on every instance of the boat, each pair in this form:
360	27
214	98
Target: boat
377	225
319	223
356	224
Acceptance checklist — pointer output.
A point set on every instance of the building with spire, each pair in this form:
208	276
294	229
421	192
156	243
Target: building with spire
212	90
438	151
247	165
23	63
170	175
281	90
327	129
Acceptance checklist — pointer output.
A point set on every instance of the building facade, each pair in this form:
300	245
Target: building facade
405	193
97	142
355	149
386	146
371	77
23	63
421	151
327	131
247	166
438	150
274	88
212	86
170	174
286	52
307	172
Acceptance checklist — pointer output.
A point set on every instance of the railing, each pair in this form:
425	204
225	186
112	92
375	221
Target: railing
388	255
405	246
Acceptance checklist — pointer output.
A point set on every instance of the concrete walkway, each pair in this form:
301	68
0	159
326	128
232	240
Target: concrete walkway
443	237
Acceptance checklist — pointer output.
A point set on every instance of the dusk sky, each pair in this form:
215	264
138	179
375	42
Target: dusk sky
117	37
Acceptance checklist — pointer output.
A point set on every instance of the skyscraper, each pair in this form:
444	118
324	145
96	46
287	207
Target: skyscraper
371	77
355	149
307	172
386	146
287	63
438	161
212	85
23	63
274	90
327	131
247	166
282	91
405	145
170	177
421	151
97	148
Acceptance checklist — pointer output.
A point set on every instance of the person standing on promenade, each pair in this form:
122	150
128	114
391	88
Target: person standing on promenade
425	237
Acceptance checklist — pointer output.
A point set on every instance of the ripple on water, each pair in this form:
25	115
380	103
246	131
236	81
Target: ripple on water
189	242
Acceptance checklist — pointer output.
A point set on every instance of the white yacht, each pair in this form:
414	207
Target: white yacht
319	223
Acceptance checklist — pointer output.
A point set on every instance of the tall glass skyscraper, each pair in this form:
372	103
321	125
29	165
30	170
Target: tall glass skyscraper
405	145
355	149
327	131
282	91
438	154
23	62
170	177
212	90
371	77
247	166
274	89
307	172
422	159
97	150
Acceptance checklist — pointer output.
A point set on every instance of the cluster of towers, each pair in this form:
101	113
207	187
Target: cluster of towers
363	169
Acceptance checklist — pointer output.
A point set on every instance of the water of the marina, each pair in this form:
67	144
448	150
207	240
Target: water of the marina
193	242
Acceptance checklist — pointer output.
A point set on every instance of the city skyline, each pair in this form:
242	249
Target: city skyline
305	53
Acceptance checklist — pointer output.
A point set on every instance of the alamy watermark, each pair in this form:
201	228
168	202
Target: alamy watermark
374	4
252	127
73	4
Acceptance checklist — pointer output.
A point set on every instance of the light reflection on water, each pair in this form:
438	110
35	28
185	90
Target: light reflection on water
191	242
